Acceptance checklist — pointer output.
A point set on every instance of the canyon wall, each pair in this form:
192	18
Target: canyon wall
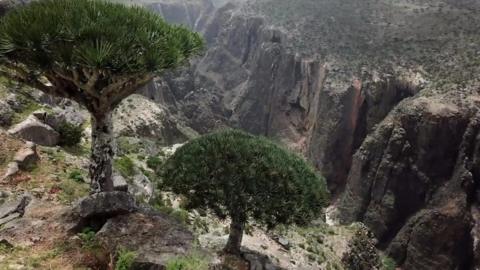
399	149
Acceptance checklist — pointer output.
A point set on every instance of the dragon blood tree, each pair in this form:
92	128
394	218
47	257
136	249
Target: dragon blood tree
95	53
245	177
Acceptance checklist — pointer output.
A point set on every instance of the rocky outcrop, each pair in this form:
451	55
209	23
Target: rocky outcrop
93	211
32	129
155	239
27	157
14	209
413	181
138	116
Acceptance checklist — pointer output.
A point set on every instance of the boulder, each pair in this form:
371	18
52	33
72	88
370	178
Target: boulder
32	129
154	238
57	116
142	186
119	183
14	208
105	204
12	169
27	157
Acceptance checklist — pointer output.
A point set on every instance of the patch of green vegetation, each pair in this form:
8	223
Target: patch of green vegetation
88	239
155	163
38	261
77	176
125	166
78	150
125	259
126	146
70	134
72	190
5	248
190	262
388	263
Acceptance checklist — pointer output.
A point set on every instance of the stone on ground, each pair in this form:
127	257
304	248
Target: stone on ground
27	157
155	239
32	129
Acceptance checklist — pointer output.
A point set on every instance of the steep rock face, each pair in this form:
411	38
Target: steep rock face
369	102
250	79
413	181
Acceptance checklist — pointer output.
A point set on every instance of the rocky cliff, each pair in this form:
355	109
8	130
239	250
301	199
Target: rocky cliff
382	97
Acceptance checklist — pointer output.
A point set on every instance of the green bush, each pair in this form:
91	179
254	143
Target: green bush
70	134
192	262
125	259
76	176
244	177
155	163
388	263
125	166
88	239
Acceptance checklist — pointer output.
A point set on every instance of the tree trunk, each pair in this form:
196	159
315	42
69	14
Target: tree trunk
101	166
235	238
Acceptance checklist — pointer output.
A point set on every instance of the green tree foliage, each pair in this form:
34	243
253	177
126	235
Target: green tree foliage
94	52
243	177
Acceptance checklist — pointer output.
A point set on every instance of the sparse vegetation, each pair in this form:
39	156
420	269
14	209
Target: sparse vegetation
88	240
76	175
72	190
388	263
125	166
190	262
125	259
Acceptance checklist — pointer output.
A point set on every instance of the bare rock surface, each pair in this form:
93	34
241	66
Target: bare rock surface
105	204
12	169
155	238
32	129
413	182
27	157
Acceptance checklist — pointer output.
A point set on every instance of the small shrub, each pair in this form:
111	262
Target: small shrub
361	254
77	176
70	134
125	166
388	263
87	237
125	259
191	262
154	163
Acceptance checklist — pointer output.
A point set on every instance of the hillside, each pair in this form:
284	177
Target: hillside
382	97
